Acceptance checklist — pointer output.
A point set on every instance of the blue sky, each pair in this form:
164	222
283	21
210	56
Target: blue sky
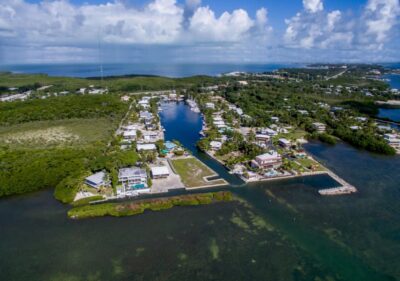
171	31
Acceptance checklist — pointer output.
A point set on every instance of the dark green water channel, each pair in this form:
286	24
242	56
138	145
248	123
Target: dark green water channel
278	231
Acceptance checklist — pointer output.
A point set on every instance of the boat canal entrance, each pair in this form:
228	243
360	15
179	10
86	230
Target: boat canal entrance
184	125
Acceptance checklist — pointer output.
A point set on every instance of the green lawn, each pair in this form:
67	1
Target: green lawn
307	163
192	172
293	135
44	134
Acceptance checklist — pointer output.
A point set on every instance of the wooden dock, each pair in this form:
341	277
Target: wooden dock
345	187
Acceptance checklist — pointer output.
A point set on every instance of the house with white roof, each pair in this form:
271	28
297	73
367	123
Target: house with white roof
159	172
98	180
133	179
393	140
215	145
130	134
146	147
210	105
319	127
285	143
268	160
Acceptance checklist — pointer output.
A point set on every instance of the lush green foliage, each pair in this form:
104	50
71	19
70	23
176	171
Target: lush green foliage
30	170
66	107
364	140
138	207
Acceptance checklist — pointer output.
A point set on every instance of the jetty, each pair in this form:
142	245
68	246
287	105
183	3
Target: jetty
345	187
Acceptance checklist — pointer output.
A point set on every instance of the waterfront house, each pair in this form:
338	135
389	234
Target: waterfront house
133	179
145	115
146	147
159	172
319	127
150	136
274	119
268	160
98	180
384	128
215	145
284	143
393	140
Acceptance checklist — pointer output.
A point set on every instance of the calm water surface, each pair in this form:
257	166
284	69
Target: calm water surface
391	113
112	69
278	231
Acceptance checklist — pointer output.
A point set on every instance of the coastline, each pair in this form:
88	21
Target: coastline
342	189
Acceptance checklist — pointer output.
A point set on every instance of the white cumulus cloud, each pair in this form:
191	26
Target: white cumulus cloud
313	6
380	18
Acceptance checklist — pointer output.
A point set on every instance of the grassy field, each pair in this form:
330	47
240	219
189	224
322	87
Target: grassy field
44	134
192	172
307	163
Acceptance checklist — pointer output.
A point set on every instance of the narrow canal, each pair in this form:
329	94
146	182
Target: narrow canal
184	125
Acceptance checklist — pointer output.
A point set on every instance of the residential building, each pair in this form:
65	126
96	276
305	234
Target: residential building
215	145
210	105
393	140
125	98
129	134
262	138
132	178
98	180
146	147
319	127
145	115
284	143
159	172
268	160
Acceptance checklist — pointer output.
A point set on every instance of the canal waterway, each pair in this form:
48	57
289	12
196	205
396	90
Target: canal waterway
281	230
390	113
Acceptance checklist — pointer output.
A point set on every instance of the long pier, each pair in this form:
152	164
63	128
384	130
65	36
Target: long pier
345	187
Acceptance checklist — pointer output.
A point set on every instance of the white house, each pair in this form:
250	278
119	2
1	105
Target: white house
284	143
319	127
98	180
393	140
216	145
129	134
146	147
159	172
268	160
210	105
133	179
262	138
125	98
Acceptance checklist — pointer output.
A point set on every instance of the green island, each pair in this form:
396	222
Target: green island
140	206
